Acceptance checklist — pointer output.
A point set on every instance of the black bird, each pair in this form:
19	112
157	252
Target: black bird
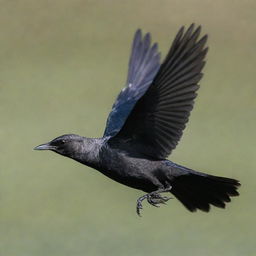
146	123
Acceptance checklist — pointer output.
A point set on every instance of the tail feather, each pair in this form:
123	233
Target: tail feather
199	191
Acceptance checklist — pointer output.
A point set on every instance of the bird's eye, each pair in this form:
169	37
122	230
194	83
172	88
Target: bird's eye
60	142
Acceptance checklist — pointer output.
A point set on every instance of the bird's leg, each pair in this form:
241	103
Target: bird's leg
154	198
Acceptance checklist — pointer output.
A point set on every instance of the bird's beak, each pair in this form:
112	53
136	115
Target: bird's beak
45	146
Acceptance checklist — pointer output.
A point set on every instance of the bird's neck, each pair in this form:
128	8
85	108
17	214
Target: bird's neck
88	152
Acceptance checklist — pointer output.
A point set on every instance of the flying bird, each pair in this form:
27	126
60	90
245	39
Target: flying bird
146	123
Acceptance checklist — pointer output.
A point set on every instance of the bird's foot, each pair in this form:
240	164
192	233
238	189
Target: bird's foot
139	204
153	198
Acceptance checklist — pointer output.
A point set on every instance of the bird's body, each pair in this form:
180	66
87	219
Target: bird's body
124	167
146	123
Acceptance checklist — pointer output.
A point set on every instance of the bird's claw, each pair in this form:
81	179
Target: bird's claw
153	198
139	204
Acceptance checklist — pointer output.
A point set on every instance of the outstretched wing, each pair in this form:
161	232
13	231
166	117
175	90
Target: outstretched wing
143	66
156	123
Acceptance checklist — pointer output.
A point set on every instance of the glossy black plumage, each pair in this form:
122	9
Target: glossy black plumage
146	123
143	66
159	117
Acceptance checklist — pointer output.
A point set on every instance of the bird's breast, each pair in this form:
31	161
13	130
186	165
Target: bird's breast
133	172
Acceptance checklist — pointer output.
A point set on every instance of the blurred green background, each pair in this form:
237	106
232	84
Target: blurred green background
62	64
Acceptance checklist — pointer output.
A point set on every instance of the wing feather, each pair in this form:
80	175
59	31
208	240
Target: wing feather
144	63
157	120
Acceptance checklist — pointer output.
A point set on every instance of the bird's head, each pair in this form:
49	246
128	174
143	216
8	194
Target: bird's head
65	145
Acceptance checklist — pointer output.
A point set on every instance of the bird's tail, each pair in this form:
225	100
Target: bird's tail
197	190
